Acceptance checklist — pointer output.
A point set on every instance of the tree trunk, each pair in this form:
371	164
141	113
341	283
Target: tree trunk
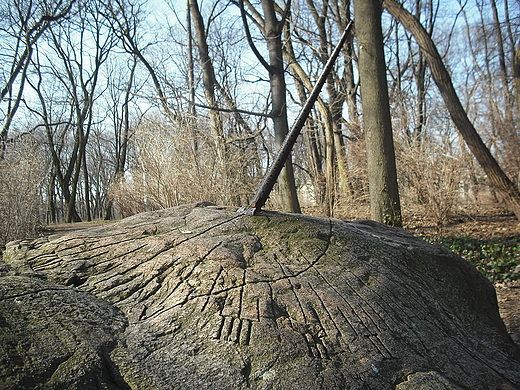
516	77
273	30
382	175
350	92
498	179
72	215
508	130
502	65
311	139
122	137
329	115
208	78
52	216
64	178
332	128
190	79
86	183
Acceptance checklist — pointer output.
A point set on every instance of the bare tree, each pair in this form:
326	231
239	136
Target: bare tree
516	76
79	49
125	18
312	134
208	80
382	173
498	179
120	116
503	71
25	22
272	29
56	131
327	19
508	129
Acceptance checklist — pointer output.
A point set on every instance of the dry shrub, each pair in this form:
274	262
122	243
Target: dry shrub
172	167
430	174
22	175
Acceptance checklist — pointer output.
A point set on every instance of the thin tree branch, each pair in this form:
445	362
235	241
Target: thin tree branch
233	110
250	39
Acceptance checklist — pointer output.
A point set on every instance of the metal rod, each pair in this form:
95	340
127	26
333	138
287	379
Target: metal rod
265	188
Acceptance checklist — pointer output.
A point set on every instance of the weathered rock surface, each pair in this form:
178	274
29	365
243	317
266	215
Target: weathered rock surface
206	298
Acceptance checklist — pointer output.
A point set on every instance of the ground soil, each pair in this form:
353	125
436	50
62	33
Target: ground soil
487	222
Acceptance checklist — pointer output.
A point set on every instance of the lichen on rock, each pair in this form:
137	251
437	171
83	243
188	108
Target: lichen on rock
207	298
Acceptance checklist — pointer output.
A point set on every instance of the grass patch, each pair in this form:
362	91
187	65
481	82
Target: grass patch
497	259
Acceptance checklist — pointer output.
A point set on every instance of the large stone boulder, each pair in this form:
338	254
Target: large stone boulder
208	298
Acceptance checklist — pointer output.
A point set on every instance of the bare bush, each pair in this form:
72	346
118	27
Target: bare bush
22	175
430	174
171	167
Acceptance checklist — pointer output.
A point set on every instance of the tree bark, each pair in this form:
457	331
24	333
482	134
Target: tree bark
502	64
349	89
334	147
382	174
122	136
208	79
311	139
272	31
498	179
330	115
516	77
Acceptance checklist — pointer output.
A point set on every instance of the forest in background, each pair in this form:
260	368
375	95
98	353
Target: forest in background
113	108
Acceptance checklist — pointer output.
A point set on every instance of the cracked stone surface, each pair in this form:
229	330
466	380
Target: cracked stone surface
207	298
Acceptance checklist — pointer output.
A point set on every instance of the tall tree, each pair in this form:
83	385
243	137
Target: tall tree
190	78
349	88
272	30
516	77
304	86
125	18
79	50
208	77
420	71
335	156
26	22
121	122
508	130
325	181
382	174
498	179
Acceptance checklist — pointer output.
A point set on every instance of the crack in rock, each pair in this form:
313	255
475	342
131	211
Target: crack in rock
204	297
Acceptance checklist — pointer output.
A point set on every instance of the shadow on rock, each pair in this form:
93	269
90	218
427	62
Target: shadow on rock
208	298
